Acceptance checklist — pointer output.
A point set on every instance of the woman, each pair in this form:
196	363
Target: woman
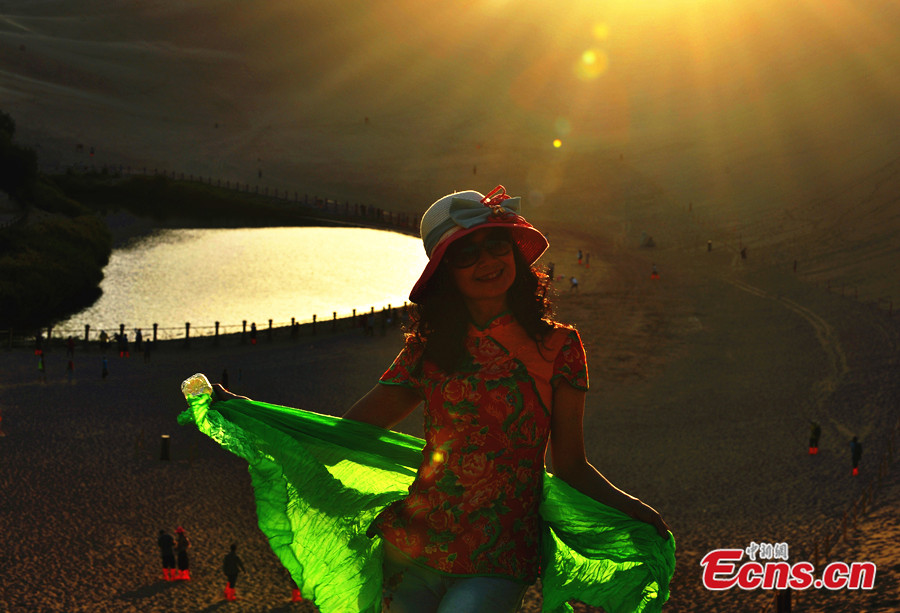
499	379
181	546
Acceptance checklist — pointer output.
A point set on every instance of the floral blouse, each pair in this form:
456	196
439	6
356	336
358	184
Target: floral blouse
473	507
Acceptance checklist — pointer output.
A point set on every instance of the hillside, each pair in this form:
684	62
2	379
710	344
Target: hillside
771	123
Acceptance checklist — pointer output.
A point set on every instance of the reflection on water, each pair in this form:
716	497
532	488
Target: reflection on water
252	274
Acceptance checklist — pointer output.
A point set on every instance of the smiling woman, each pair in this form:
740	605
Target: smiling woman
499	380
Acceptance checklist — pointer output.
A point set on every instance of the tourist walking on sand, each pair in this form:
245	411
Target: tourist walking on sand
181	546
855	454
253	333
573	284
815	431
167	551
231	566
500	379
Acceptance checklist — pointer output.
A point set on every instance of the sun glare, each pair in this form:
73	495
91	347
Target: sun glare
592	64
601	31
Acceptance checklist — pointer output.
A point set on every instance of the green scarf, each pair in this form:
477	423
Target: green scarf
320	481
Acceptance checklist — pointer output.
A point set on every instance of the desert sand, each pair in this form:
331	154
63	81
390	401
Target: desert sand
722	455
758	126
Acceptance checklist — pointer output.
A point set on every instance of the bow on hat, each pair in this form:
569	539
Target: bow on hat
469	213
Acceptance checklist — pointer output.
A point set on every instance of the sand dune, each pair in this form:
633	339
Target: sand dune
750	125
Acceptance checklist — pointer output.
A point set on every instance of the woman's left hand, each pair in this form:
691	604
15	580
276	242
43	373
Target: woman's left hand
649	515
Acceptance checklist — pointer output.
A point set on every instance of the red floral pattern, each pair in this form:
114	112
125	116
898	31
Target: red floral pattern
473	508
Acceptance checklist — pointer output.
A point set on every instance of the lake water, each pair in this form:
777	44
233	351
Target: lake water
252	274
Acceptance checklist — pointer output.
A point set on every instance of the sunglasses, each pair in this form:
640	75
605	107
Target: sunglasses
466	254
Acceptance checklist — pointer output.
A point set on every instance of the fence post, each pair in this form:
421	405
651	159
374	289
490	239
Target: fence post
164	448
354	318
217	333
270	330
333	322
155	328
314	325
87	335
187	334
244	333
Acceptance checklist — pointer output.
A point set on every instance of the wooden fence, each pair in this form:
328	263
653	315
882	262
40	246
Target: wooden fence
246	332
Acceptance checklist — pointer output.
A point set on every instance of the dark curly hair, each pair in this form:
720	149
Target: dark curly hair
440	321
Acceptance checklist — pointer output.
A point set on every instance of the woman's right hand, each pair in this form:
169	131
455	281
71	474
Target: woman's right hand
222	394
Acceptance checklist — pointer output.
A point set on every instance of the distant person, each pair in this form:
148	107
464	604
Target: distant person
148	346
38	344
654	273
573	284
182	544
743	253
104	373
579	257
253	333
123	345
231	566
815	431
167	551
42	368
855	454
296	595
104	340
138	339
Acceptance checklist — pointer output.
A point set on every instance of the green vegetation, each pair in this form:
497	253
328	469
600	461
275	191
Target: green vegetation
52	259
